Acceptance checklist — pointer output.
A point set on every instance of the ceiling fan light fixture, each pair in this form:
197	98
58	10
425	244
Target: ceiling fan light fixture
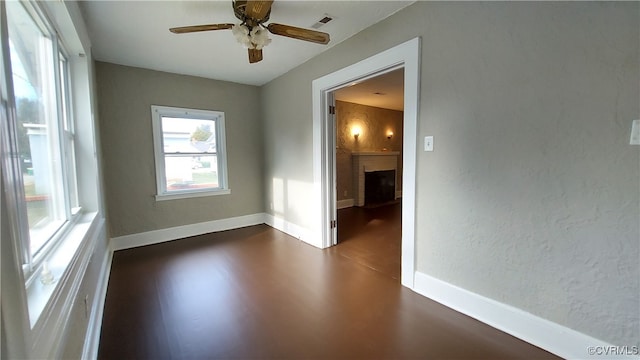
255	38
259	37
241	33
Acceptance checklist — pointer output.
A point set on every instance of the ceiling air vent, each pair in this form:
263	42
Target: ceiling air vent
322	22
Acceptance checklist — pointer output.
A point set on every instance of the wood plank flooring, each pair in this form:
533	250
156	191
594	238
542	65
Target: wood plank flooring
256	293
371	237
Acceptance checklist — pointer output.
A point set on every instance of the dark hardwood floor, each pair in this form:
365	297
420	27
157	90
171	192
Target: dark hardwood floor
371	237
256	293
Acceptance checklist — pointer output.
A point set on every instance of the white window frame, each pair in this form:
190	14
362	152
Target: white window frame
157	113
68	133
42	307
32	263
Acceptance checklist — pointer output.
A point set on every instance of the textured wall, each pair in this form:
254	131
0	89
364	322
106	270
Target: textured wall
125	98
531	196
375	123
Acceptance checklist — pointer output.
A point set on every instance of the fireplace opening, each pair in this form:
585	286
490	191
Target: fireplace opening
379	187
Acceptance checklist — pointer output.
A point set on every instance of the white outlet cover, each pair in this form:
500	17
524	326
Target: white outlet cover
635	133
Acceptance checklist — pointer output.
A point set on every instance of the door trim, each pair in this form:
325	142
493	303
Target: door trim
405	55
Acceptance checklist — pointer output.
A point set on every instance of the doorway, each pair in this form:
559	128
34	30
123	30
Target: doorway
407	56
368	171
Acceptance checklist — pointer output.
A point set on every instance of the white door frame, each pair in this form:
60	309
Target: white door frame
405	55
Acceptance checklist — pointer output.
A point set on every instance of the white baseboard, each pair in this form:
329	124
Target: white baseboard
179	232
294	230
92	337
346	203
555	338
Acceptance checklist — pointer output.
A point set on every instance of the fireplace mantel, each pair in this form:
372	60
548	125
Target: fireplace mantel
365	161
375	153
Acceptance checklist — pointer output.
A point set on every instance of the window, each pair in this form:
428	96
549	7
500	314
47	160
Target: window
43	137
189	152
49	167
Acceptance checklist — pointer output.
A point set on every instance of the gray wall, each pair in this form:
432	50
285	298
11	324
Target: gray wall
125	96
531	196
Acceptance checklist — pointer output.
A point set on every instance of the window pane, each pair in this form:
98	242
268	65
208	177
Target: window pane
38	144
191	172
181	135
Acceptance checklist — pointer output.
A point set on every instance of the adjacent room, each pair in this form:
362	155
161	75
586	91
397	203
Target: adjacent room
368	170
320	179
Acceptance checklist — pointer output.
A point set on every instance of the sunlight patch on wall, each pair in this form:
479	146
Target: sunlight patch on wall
277	203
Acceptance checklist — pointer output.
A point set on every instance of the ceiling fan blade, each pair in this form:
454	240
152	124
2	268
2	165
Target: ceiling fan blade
255	56
317	37
196	28
258	10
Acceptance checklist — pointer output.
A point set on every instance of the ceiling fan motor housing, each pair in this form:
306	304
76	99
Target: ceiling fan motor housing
239	10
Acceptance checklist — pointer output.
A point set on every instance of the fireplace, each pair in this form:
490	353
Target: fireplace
379	187
367	162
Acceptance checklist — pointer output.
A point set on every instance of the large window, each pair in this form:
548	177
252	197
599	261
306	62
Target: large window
52	222
43	131
189	151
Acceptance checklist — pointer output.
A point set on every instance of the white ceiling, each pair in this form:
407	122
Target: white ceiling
384	91
135	33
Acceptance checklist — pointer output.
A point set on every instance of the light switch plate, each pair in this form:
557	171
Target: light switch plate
635	133
428	143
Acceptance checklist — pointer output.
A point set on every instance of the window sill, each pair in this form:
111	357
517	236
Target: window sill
60	262
192	194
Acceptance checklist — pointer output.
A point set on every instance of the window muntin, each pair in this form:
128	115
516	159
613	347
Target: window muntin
43	131
190	151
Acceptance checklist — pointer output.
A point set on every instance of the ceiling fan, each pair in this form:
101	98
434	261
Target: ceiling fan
252	31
